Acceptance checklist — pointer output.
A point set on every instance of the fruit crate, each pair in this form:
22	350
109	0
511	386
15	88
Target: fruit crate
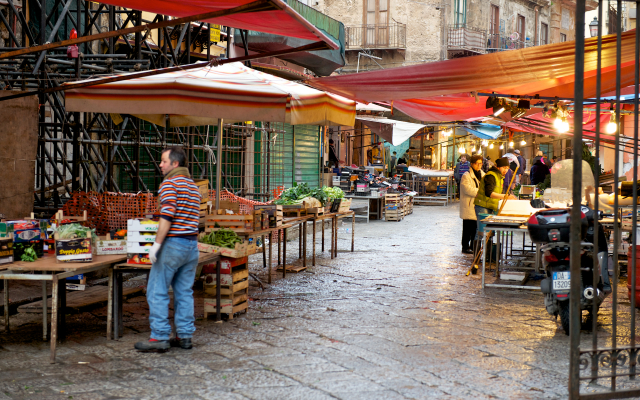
239	223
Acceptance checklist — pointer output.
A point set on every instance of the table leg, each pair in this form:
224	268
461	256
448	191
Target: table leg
264	252
284	255
117	296
270	255
279	232
335	246
353	231
6	305
54	318
313	244
110	306
304	244
484	256
218	291
299	240
323	235
62	320
333	221
44	311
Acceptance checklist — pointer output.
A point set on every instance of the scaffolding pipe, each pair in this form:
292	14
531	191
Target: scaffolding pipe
219	162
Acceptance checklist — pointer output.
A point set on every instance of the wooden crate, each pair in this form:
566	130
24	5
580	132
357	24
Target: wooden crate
203	188
226	290
59	216
294	210
241	249
345	204
317	211
241	223
229	306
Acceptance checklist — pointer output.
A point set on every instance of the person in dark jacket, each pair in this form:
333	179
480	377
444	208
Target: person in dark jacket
539	172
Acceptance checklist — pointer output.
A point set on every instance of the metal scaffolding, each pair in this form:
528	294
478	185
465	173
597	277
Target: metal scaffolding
109	152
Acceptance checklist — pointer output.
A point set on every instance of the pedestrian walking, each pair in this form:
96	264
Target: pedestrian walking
174	256
539	172
522	168
469	185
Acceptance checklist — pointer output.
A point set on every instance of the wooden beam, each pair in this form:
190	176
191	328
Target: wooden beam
256	6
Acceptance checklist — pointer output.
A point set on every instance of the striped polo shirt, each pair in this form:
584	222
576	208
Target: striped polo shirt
180	205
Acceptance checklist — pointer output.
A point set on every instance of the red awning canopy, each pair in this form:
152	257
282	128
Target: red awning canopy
282	20
440	91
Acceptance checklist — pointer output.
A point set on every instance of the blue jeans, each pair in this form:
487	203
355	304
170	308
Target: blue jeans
176	266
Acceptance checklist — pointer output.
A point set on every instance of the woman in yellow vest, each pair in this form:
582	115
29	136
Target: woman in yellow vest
490	190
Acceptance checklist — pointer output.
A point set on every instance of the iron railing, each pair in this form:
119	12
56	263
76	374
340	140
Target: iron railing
463	37
378	36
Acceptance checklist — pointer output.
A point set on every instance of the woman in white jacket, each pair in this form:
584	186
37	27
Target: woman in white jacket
469	184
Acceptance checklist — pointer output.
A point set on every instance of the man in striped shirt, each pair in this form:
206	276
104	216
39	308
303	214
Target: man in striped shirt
174	256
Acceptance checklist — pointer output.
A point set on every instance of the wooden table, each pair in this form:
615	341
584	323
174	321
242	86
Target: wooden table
302	248
47	269
115	327
287	223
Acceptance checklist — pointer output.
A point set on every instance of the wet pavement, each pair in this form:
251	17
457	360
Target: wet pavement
396	319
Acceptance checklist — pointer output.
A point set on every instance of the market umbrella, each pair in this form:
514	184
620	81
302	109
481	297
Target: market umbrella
207	95
202	96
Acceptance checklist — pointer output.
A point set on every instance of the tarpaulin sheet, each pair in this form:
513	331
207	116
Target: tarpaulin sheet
201	96
393	131
538	124
283	21
440	91
484	131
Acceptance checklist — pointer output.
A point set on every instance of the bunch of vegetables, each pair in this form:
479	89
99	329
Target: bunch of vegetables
300	193
29	253
74	231
221	238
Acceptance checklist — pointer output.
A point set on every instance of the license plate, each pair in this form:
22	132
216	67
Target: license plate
561	280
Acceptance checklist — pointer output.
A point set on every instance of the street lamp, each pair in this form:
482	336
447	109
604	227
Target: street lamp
593	27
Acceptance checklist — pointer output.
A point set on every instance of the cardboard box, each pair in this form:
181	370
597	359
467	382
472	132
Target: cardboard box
141	237
139	248
74	250
137	225
138	259
25	231
108	247
6	250
20	247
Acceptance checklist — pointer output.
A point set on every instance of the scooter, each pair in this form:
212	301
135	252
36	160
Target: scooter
551	228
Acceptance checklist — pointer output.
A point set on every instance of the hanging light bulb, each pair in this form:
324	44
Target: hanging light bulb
523	143
502	147
563	126
479	150
557	123
510	144
473	149
485	143
491	146
612	127
461	150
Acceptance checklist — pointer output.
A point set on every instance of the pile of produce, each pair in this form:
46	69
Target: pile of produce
74	231
302	193
222	238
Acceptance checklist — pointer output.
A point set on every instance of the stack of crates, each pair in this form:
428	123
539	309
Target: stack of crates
234	286
393	207
141	234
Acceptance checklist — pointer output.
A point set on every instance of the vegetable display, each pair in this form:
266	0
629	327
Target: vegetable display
300	193
73	231
221	238
29	254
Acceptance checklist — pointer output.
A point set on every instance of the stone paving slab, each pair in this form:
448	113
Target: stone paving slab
397	319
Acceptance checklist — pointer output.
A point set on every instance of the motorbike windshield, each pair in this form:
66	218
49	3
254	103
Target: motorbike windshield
562	177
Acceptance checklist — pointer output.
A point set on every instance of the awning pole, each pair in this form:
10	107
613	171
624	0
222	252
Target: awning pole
219	163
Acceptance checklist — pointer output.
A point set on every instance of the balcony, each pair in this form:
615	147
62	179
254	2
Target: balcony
464	41
376	37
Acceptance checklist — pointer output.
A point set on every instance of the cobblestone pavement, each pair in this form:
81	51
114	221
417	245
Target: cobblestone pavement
395	319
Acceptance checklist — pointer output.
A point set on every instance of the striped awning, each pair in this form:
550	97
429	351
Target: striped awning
200	96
